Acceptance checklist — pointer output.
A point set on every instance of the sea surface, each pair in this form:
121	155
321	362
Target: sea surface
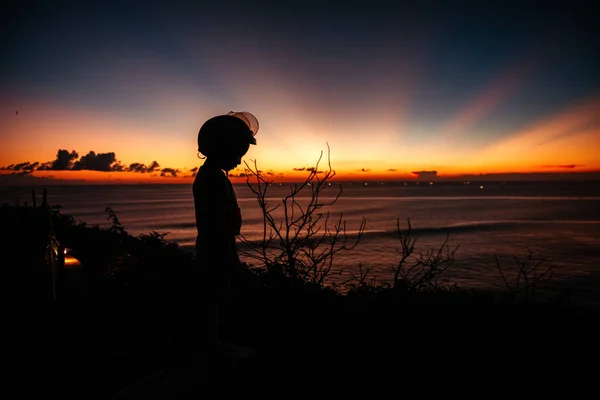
557	221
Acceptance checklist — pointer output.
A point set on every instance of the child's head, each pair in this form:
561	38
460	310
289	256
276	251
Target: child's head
225	139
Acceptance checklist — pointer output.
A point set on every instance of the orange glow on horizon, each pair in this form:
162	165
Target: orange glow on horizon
570	138
131	178
566	142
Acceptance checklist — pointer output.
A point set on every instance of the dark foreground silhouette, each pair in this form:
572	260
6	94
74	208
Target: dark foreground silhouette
223	140
116	317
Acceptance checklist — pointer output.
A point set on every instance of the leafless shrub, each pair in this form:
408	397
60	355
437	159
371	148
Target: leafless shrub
303	242
361	281
527	276
422	271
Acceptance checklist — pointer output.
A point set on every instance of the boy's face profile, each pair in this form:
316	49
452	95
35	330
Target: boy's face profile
232	156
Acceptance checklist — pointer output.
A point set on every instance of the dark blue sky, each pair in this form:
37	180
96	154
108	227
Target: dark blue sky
421	76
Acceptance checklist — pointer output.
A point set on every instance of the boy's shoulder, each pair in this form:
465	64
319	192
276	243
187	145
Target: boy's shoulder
210	177
210	173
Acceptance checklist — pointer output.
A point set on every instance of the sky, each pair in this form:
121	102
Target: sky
116	92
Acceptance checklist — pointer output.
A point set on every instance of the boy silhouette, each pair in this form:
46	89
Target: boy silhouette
223	140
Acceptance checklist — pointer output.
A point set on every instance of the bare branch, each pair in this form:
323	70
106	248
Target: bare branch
304	240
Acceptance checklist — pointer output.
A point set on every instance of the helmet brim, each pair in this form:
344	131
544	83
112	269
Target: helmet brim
249	119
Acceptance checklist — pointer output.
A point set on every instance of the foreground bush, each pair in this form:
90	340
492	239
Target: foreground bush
135	300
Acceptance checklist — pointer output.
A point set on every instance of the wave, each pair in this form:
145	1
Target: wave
466	227
489	197
178	225
469	226
472	226
253	226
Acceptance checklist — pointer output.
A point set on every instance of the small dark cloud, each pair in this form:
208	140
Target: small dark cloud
193	173
426	175
169	172
153	167
142	168
363	170
24	167
21	166
137	167
46	166
310	169
567	166
240	175
392	170
31	167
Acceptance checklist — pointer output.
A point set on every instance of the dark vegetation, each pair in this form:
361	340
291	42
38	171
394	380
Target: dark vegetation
125	321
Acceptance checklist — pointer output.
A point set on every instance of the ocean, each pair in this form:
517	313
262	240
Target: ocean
557	221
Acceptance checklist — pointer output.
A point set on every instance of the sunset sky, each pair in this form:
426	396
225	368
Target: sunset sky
395	91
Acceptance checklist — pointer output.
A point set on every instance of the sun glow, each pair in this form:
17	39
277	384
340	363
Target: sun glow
291	141
571	137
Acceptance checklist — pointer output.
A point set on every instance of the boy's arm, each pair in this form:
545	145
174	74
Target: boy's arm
214	237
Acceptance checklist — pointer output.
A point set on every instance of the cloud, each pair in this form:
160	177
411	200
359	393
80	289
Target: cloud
98	162
311	169
392	170
426	175
92	161
31	167
192	174
240	175
568	166
153	167
142	168
64	160
169	172
24	167
363	170
137	167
